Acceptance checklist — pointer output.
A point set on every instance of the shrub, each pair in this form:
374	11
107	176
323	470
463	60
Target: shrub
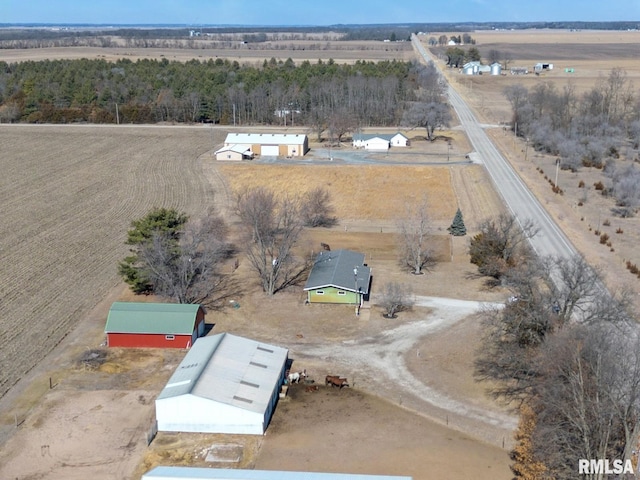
607	222
619	230
581	184
598	186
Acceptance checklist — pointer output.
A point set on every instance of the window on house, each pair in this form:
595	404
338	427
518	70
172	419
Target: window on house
342	293
319	292
169	337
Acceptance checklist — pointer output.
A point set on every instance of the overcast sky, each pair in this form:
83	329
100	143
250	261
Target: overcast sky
311	12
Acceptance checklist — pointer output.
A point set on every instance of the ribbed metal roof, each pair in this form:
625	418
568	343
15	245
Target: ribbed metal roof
161	318
341	269
265	138
229	369
175	473
234	148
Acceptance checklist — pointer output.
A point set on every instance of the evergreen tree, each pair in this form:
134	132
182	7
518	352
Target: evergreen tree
457	227
158	220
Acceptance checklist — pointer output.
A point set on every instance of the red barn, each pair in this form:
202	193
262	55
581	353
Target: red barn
156	325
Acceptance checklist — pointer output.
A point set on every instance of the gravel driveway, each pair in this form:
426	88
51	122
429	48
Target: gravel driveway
377	363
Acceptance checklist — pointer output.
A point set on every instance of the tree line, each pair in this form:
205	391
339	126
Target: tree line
219	91
563	350
599	128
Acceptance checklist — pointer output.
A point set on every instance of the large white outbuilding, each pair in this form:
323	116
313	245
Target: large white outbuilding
224	384
187	473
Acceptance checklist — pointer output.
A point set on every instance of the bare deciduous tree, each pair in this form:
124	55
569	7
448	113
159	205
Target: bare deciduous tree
187	271
501	245
316	209
414	227
273	227
588	392
396	297
427	115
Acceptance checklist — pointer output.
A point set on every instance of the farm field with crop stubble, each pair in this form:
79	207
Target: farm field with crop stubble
68	197
256	53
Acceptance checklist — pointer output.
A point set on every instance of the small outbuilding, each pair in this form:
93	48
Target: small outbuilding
155	325
338	276
225	384
270	144
188	473
233	153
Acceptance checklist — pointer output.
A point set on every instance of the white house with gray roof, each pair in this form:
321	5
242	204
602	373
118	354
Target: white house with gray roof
270	144
378	141
224	384
338	276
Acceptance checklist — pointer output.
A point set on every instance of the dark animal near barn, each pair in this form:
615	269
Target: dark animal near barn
312	388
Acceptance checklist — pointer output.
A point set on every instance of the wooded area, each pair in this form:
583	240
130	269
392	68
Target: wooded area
217	91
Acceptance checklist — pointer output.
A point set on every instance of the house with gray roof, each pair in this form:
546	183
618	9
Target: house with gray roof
379	141
338	276
224	384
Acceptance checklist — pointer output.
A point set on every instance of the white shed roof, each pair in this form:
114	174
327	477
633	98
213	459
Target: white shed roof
234	148
175	473
266	138
229	369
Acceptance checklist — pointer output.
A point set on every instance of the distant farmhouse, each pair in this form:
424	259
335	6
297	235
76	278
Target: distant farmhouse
378	141
240	146
338	276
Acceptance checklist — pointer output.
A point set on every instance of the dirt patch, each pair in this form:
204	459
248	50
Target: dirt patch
330	423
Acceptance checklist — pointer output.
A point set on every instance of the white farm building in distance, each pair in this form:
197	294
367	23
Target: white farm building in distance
264	144
224	384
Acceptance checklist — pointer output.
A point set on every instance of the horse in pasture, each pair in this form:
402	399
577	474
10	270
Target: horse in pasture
336	381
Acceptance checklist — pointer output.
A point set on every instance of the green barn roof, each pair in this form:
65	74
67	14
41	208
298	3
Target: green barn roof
160	318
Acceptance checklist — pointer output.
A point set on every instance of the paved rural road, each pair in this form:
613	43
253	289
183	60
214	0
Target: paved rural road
550	240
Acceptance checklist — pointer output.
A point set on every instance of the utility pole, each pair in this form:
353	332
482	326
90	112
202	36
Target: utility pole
117	115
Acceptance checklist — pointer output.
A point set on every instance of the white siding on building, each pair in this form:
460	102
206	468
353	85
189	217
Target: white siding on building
185	473
225	384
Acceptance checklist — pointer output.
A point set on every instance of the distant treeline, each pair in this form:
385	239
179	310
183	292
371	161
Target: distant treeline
9	32
217	91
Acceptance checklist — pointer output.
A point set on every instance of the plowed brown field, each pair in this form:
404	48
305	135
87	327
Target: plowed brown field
68	195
